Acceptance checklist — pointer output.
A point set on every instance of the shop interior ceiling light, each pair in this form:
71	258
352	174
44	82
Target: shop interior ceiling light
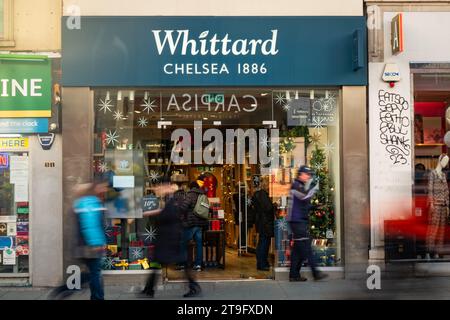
107	95
146	95
326	94
119	95
131	95
296	95
311	94
288	95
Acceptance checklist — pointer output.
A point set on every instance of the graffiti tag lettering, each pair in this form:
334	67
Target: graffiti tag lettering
395	126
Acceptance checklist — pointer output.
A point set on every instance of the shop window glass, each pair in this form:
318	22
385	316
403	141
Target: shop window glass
14	213
309	136
136	138
425	233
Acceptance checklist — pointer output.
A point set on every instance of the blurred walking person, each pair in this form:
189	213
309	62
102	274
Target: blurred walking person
91	241
170	234
90	213
302	191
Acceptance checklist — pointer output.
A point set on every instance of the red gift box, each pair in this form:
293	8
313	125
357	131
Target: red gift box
138	243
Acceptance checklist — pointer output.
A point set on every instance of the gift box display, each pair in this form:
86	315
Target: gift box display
135	253
324	256
134	266
144	263
113	234
155	265
138	243
108	263
121	264
112	250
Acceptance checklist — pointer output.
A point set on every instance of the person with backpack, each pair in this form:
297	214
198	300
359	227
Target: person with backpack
265	216
196	208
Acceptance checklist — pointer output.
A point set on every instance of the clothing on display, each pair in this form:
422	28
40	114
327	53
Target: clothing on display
438	198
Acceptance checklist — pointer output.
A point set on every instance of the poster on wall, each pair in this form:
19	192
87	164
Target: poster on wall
19	163
3	229
418	129
7	219
18	177
20	192
432	130
22	228
6	242
9	257
12	229
23	250
298	111
22	240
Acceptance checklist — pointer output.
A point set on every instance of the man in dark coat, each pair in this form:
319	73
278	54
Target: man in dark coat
265	215
301	193
167	244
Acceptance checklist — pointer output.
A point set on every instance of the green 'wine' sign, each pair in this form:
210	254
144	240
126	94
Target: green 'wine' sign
25	86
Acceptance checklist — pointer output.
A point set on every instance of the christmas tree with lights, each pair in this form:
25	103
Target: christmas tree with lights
322	215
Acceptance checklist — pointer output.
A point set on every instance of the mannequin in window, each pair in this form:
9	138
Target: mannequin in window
438	201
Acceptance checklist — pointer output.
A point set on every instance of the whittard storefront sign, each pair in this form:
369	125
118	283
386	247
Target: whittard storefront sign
214	51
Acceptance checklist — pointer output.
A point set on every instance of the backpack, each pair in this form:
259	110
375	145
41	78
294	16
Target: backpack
201	208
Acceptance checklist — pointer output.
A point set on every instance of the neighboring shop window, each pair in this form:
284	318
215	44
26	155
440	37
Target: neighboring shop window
424	235
133	146
14	213
309	136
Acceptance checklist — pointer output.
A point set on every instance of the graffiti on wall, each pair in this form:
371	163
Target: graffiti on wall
395	126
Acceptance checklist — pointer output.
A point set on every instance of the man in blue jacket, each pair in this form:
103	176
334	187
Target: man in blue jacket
301	194
89	210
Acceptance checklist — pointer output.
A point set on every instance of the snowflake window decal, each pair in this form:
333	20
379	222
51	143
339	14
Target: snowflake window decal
150	233
112	138
280	99
142	122
318	166
105	105
103	167
319	122
265	141
287	107
136	253
328	147
154	176
149	105
108	264
118	115
281	225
